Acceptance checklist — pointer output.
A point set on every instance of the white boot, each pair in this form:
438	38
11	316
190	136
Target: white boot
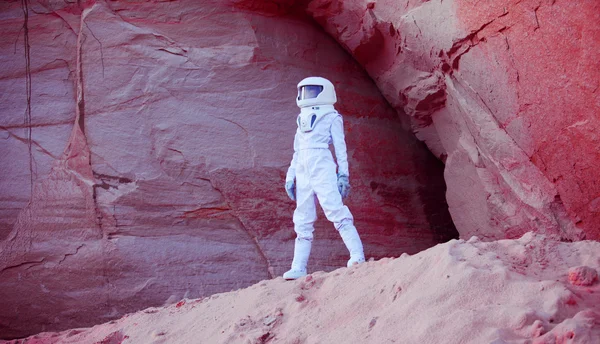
353	244
294	274
301	253
354	261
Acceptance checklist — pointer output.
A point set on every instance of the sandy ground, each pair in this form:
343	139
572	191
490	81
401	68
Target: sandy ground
531	290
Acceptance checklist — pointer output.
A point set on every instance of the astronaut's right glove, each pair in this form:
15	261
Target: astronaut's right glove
343	185
290	188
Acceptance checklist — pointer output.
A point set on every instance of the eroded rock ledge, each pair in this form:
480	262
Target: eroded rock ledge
504	92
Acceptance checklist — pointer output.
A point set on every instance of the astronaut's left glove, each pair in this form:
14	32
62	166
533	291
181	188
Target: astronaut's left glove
343	185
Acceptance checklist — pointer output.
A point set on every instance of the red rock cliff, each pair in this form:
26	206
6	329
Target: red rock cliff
145	147
504	92
177	120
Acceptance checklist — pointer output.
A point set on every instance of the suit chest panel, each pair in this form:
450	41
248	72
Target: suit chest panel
321	132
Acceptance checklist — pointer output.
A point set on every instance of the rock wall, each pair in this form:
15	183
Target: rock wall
145	143
145	147
504	92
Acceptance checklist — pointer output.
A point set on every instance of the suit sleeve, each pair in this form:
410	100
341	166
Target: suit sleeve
291	172
339	144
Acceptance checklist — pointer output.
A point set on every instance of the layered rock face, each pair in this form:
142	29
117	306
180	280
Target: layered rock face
504	92
144	153
145	144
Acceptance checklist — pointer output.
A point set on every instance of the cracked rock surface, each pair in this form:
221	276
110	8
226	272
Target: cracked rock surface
144	152
504	92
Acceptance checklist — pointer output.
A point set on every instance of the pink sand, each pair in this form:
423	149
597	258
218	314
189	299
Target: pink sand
506	291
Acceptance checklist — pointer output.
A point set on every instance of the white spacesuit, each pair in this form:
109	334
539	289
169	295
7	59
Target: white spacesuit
314	171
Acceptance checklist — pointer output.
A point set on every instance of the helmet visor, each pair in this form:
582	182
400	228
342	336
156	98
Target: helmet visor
309	91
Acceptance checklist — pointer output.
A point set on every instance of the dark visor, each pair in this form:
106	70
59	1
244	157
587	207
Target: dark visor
309	91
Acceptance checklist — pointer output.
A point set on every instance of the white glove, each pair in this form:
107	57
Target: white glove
290	188
343	185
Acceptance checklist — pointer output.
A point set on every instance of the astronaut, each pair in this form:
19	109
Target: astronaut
312	173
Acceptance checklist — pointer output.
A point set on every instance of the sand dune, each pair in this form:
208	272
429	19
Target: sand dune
529	290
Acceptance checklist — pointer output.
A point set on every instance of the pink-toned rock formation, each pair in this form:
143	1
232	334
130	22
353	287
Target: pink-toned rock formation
506	291
144	153
504	92
145	143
